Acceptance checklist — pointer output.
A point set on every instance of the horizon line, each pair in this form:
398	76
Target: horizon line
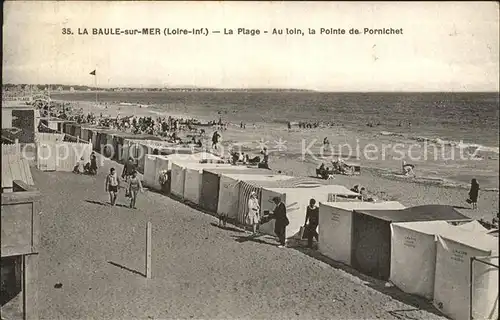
187	87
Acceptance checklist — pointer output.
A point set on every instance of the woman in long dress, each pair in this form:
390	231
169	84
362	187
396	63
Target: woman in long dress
253	215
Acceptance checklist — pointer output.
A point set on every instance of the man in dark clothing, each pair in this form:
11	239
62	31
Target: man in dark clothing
93	163
215	139
128	169
312	215
281	221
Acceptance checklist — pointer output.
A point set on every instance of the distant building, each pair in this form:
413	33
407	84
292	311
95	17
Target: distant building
21	120
71	89
60	88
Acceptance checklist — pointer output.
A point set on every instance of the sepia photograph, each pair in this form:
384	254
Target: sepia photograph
215	160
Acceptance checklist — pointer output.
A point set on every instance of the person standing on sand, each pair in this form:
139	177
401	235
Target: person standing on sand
312	215
474	193
134	186
281	221
128	169
215	140
112	185
253	215
93	163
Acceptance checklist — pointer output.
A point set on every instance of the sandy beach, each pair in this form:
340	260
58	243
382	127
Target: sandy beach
383	184
96	253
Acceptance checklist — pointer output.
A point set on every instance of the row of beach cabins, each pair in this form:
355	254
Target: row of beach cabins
432	251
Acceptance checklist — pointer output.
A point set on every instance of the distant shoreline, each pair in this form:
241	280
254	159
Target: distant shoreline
82	89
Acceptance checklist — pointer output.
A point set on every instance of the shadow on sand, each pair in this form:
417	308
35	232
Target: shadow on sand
461	207
101	203
261	239
227	228
418	303
125	268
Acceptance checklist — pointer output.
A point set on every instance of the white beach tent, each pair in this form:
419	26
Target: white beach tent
335	226
229	190
453	275
413	255
296	200
413	252
154	164
475	226
190	188
193	178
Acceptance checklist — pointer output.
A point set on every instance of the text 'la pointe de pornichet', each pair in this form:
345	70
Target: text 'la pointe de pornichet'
230	31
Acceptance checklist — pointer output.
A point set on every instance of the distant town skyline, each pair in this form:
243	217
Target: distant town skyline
445	46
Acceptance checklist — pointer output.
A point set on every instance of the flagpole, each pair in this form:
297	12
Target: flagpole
95	85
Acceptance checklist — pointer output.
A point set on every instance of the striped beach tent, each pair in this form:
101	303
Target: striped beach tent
244	196
303	182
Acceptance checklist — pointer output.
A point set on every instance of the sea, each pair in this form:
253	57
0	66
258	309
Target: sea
460	129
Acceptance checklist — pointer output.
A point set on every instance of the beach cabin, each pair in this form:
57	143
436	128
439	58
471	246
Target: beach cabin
296	199
210	184
466	278
20	243
246	187
193	185
15	168
413	253
185	178
53	124
335	226
371	241
23	118
154	164
229	186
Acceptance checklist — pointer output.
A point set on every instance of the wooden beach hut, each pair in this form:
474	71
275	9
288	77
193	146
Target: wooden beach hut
371	241
335	226
15	168
78	131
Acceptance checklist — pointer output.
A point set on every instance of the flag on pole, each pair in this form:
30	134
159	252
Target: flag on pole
92	73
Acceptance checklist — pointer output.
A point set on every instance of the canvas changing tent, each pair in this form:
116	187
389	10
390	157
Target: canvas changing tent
296	200
413	253
154	164
229	190
210	184
371	241
178	178
193	185
245	188
335	226
453	275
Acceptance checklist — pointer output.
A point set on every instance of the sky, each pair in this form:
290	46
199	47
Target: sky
445	46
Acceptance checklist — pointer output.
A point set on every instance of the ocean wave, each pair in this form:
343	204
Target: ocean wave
444	142
438	181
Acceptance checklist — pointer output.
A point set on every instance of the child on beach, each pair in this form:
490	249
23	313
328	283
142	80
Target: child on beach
112	185
134	186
